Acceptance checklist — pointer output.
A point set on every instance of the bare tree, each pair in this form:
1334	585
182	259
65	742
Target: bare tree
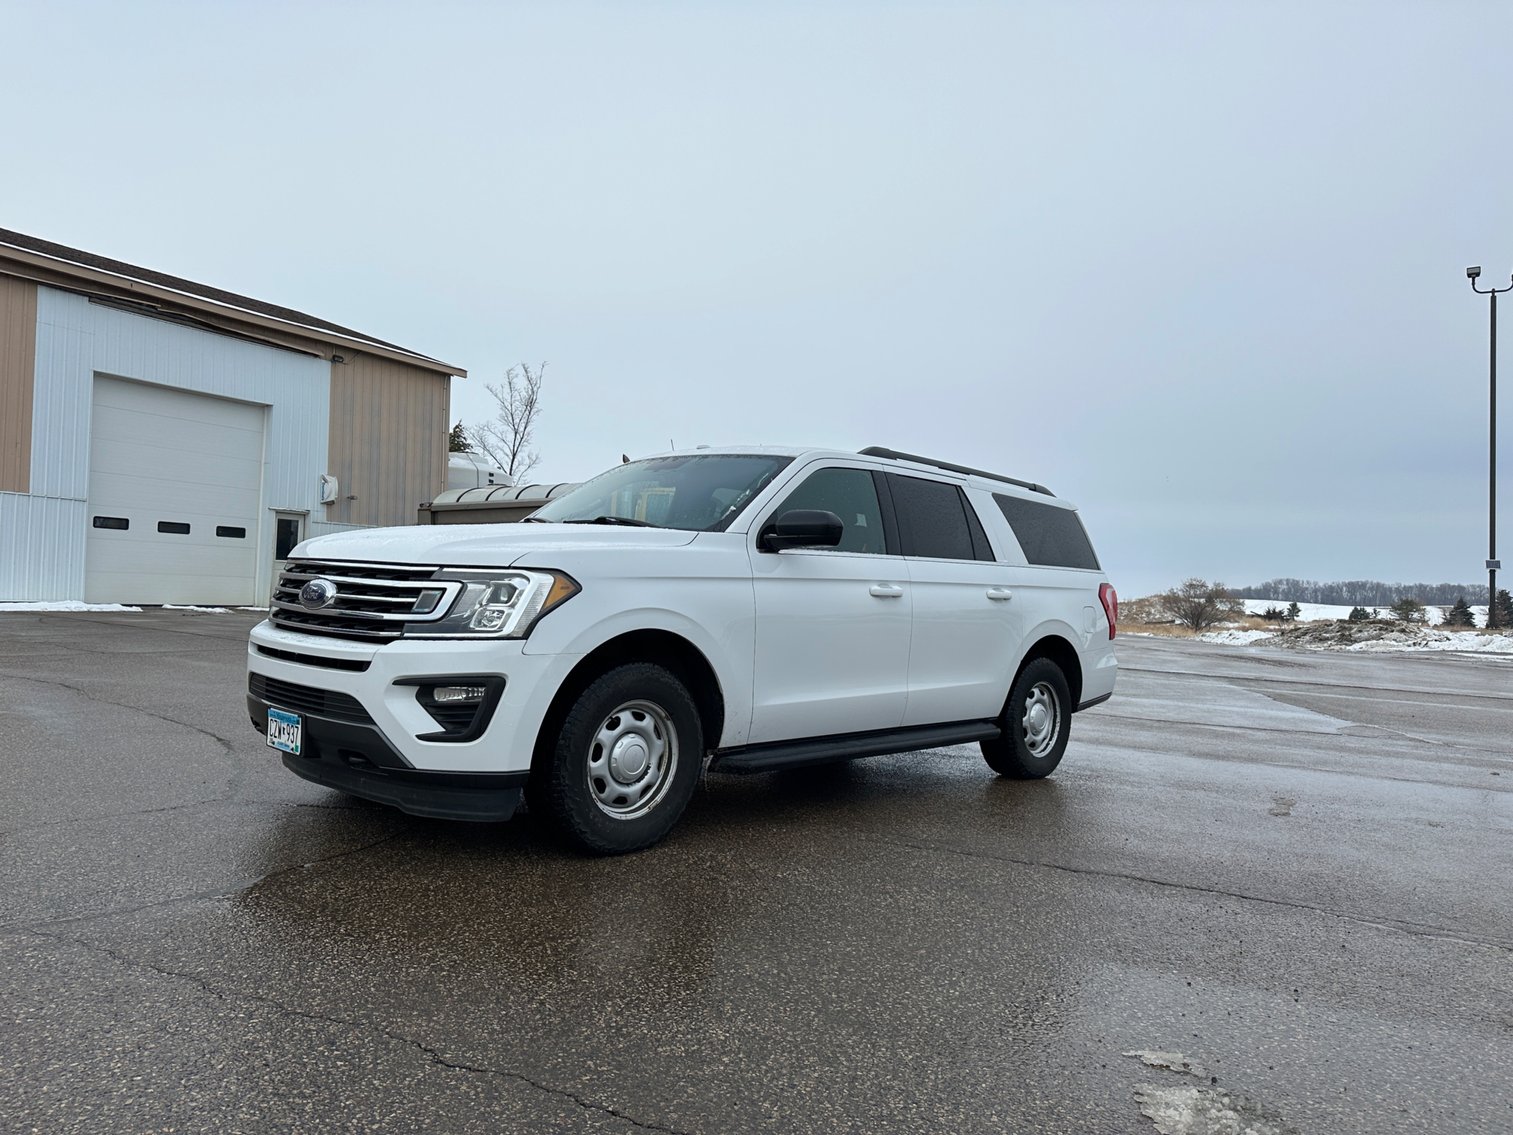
506	440
1198	604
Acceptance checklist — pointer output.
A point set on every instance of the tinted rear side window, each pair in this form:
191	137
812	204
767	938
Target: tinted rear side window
1050	536
932	519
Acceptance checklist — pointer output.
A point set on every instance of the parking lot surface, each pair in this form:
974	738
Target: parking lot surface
1289	873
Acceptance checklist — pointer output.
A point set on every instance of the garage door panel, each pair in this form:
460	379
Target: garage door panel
202	532
193	589
212	456
163	497
159	454
135	553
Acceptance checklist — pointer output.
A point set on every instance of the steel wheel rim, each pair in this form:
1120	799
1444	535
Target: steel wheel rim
631	760
1041	722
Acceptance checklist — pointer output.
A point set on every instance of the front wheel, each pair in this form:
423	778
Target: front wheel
626	761
1036	725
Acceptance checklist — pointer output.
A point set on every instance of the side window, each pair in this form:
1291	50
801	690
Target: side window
1050	536
932	520
851	495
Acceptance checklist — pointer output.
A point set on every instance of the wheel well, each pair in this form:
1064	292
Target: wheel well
1061	652
661	647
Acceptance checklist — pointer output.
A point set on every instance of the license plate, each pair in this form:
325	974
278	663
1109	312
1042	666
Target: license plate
284	731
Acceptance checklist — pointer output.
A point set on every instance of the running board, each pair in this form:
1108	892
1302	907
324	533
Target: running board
849	746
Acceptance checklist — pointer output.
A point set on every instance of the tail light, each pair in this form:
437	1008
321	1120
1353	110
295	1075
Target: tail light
1110	600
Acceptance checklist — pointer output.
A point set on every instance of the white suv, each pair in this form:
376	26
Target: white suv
742	610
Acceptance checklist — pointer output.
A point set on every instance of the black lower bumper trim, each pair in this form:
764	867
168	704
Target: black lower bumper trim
358	760
1091	702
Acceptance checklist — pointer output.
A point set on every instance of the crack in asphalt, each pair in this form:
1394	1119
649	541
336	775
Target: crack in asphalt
1449	745
219	892
433	1054
138	626
1218	725
1384	690
1300	765
1402	926
219	800
228	746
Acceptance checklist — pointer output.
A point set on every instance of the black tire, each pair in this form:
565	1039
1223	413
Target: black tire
1036	724
626	761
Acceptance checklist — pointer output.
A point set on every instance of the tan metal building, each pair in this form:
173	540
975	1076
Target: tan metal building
163	441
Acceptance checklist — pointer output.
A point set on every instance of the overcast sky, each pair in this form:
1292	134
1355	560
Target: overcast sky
1198	267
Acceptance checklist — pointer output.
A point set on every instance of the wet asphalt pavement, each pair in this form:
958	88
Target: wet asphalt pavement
1295	870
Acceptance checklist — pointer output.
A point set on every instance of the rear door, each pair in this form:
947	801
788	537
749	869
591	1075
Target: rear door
832	624
967	632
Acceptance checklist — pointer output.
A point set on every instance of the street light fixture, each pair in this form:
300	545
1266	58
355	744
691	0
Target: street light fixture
1492	562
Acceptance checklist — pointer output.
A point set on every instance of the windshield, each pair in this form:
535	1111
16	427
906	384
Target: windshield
699	492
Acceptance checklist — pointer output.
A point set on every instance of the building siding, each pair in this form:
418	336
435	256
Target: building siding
41	548
388	440
75	341
18	366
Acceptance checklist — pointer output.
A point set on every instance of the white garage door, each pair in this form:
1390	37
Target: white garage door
175	486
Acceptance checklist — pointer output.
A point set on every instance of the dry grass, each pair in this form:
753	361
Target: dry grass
1172	630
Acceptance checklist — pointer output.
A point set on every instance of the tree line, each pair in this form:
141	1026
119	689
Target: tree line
1359	592
1200	605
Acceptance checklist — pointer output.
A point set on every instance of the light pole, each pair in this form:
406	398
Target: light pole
1492	564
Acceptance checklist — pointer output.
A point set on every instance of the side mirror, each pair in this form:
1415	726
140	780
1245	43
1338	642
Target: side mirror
801	528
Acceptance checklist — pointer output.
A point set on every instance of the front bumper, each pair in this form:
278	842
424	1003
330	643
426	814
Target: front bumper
372	689
357	759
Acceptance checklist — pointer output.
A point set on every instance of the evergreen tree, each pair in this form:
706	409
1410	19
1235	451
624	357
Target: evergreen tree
1293	611
1408	610
458	441
1459	615
1504	609
1359	615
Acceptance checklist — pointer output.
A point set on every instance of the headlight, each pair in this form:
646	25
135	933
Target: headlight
498	604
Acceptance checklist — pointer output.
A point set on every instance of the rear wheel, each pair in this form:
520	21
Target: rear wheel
1036	725
626	761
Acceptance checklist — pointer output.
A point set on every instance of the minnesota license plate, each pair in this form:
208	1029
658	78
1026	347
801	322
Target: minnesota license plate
284	731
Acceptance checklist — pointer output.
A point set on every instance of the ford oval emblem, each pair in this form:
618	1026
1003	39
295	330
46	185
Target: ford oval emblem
316	594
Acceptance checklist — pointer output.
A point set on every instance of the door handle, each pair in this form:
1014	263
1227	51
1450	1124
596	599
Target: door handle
1000	594
887	590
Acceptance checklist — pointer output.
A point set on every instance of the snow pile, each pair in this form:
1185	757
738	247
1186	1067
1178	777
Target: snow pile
66	605
1377	636
1234	637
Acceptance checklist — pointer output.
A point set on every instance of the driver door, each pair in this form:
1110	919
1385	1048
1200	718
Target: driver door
832	624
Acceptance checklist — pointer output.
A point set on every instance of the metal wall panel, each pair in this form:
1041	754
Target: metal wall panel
18	366
77	339
322	528
388	441
41	548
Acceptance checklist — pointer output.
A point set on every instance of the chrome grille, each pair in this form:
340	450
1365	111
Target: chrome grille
373	601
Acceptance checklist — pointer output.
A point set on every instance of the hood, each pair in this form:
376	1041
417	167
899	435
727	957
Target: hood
483	545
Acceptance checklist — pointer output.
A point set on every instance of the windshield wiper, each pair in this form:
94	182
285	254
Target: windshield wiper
626	520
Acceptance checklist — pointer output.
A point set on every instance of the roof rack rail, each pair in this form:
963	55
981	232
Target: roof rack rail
896	455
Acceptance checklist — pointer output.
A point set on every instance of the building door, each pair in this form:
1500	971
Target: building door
175	486
288	530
